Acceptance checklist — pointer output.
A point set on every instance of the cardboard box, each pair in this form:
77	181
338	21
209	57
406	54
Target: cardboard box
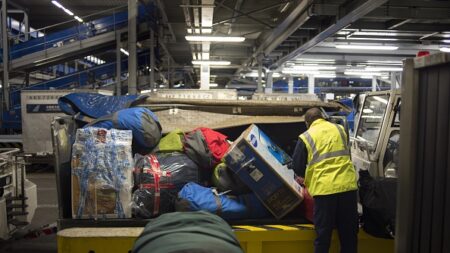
262	166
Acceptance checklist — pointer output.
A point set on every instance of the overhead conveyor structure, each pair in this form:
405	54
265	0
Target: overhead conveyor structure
82	39
51	50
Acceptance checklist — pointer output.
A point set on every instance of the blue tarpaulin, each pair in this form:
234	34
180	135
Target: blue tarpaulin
95	105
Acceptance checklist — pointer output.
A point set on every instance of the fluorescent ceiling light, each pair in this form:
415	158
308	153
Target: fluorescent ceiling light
300	67
366	77
362	38
221	63
300	72
315	60
213	85
359	73
68	12
384	77
384	62
366	47
377	33
383	69
57	4
125	52
79	19
446	41
325	76
343	32
445	49
214	38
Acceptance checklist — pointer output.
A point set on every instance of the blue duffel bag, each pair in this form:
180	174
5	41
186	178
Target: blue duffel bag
141	121
194	197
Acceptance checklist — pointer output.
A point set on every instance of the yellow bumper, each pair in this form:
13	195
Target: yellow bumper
254	239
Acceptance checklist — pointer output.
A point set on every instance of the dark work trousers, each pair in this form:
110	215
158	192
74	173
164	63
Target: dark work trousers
336	211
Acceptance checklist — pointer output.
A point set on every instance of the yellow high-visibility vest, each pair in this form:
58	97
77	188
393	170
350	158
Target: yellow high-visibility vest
329	169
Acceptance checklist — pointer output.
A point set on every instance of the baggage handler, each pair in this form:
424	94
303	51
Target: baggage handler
322	158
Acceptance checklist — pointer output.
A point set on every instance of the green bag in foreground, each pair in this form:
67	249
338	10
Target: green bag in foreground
183	232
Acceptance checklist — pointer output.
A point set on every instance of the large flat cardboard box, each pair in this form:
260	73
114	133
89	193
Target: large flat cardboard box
262	166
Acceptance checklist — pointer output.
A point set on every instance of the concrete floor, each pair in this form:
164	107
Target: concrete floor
46	213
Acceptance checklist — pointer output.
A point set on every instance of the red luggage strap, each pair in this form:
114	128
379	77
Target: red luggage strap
155	170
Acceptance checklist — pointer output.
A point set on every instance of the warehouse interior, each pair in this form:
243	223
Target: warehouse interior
326	51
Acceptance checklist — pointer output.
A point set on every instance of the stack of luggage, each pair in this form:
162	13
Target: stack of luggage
200	170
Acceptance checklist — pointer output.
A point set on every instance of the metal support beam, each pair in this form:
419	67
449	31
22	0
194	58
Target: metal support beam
169	73
237	7
269	83
311	84
162	9
204	77
393	81
296	18
5	46
152	60
291	85
349	18
17	6
187	15
27	79
260	67
374	83
437	11
132	37
118	65
411	27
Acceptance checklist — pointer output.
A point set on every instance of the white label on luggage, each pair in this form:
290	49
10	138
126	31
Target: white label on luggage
256	175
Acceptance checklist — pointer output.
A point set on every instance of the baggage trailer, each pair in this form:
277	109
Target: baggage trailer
282	120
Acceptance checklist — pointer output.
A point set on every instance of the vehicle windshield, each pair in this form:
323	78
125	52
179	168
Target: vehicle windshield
372	116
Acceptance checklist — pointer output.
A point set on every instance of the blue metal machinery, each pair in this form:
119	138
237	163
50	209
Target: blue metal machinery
105	72
76	33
